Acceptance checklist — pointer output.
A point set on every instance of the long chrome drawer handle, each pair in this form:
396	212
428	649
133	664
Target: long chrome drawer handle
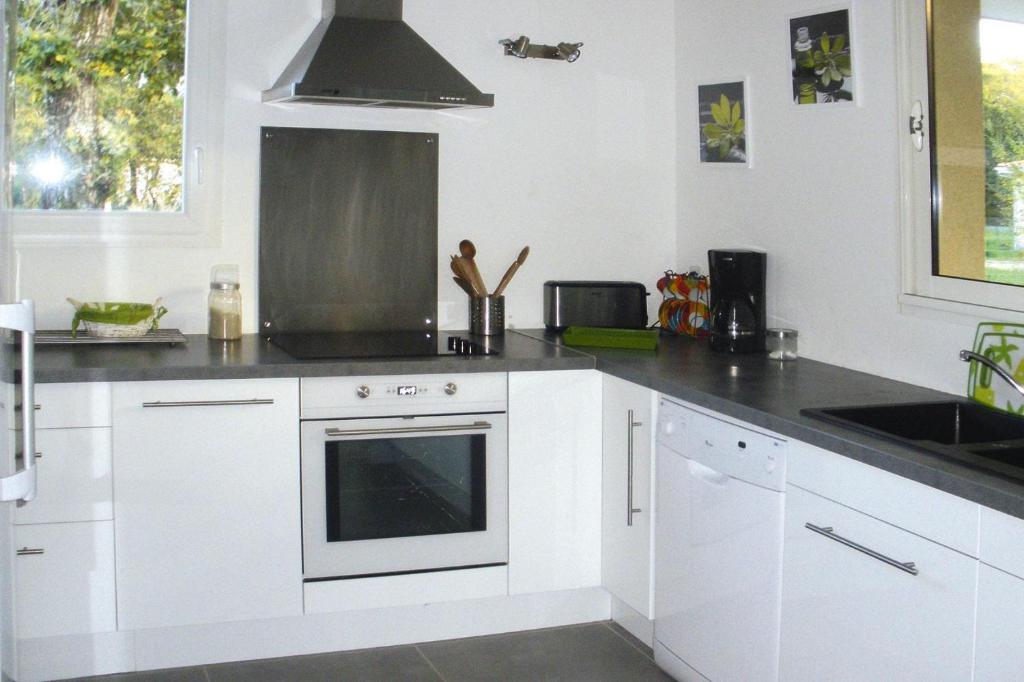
905	566
25	551
630	460
475	426
210	403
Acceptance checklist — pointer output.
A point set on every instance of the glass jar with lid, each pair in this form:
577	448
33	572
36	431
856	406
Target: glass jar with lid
225	303
781	344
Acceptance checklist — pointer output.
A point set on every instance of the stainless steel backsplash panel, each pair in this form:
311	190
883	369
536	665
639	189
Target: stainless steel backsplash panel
348	230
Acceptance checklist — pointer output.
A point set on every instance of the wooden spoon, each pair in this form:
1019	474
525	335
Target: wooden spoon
468	251
461	269
464	285
512	269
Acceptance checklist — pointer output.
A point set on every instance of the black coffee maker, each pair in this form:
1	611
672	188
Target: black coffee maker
737	300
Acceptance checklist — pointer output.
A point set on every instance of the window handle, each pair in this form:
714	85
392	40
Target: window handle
198	157
917	125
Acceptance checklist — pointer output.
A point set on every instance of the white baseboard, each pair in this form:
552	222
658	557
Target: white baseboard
56	658
675	666
82	655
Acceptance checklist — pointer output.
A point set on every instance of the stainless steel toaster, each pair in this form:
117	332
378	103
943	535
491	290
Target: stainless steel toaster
595	304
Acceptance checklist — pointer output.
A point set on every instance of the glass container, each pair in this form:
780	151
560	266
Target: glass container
781	344
225	303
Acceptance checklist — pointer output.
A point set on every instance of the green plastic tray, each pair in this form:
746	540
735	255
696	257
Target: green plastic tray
638	339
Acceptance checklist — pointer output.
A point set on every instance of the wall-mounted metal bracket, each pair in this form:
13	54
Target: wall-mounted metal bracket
523	49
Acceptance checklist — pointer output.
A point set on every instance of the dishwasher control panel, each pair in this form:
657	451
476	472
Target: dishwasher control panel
728	448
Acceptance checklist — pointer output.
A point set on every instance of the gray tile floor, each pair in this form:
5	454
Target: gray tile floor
595	652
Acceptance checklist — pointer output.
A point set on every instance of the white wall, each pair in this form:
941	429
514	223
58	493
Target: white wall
578	161
822	197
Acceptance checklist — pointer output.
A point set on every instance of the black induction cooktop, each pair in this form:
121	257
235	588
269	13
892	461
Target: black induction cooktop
366	345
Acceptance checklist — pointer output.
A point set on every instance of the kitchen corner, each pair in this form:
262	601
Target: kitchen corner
770	394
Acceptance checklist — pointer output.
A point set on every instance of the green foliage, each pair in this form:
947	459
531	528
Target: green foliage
725	131
832	62
1003	102
99	84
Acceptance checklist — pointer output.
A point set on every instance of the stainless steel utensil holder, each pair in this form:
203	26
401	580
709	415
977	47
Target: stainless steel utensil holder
487	315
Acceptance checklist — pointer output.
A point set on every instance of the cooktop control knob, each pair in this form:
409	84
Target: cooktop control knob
450	388
363	391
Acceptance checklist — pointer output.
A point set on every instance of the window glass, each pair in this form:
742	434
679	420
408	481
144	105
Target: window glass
99	101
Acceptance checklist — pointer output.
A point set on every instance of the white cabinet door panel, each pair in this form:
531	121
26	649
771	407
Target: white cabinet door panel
207	503
849	616
64	578
627	539
1002	541
67	406
554	467
999	656
74	479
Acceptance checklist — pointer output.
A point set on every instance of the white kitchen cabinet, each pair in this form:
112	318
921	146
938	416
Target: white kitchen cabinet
64	579
554	475
1000	620
627	538
999	656
74	477
206	498
847	615
68	406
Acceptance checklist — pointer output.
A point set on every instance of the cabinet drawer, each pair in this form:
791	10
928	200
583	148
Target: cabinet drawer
67	587
64	406
947	519
847	615
74	477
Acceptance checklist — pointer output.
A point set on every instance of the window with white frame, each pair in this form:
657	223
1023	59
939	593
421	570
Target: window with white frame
114	109
963	157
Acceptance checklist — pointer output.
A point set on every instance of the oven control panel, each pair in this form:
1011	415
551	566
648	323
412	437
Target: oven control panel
448	388
381	396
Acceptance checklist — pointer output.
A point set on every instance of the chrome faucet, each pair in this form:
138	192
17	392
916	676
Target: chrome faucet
967	356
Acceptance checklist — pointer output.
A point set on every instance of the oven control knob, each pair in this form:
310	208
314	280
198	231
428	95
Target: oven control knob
450	388
363	391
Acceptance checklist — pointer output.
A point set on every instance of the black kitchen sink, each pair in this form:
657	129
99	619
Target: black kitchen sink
949	423
967	432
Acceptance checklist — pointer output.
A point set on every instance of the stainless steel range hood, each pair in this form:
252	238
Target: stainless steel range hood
363	54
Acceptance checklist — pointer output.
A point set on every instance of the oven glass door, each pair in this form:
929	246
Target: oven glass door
403	494
403	487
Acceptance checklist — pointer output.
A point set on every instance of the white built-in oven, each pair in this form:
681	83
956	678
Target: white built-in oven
403	474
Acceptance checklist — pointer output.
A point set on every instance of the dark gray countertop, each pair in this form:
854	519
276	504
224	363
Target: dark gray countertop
770	394
254	358
747	387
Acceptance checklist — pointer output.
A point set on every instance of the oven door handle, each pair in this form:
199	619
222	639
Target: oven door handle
475	426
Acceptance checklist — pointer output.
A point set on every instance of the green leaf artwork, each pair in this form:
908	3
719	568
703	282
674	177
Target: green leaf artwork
832	62
820	51
725	132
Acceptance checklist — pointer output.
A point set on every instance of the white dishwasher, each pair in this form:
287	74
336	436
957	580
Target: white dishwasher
718	558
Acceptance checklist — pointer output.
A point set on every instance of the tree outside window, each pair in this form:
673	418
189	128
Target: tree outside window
99	99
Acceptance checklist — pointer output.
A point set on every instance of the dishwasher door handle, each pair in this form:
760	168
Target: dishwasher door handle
706	473
827	531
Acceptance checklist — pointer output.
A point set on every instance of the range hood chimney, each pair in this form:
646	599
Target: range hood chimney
363	54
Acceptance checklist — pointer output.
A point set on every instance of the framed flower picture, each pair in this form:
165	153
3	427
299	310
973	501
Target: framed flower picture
821	58
723	122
